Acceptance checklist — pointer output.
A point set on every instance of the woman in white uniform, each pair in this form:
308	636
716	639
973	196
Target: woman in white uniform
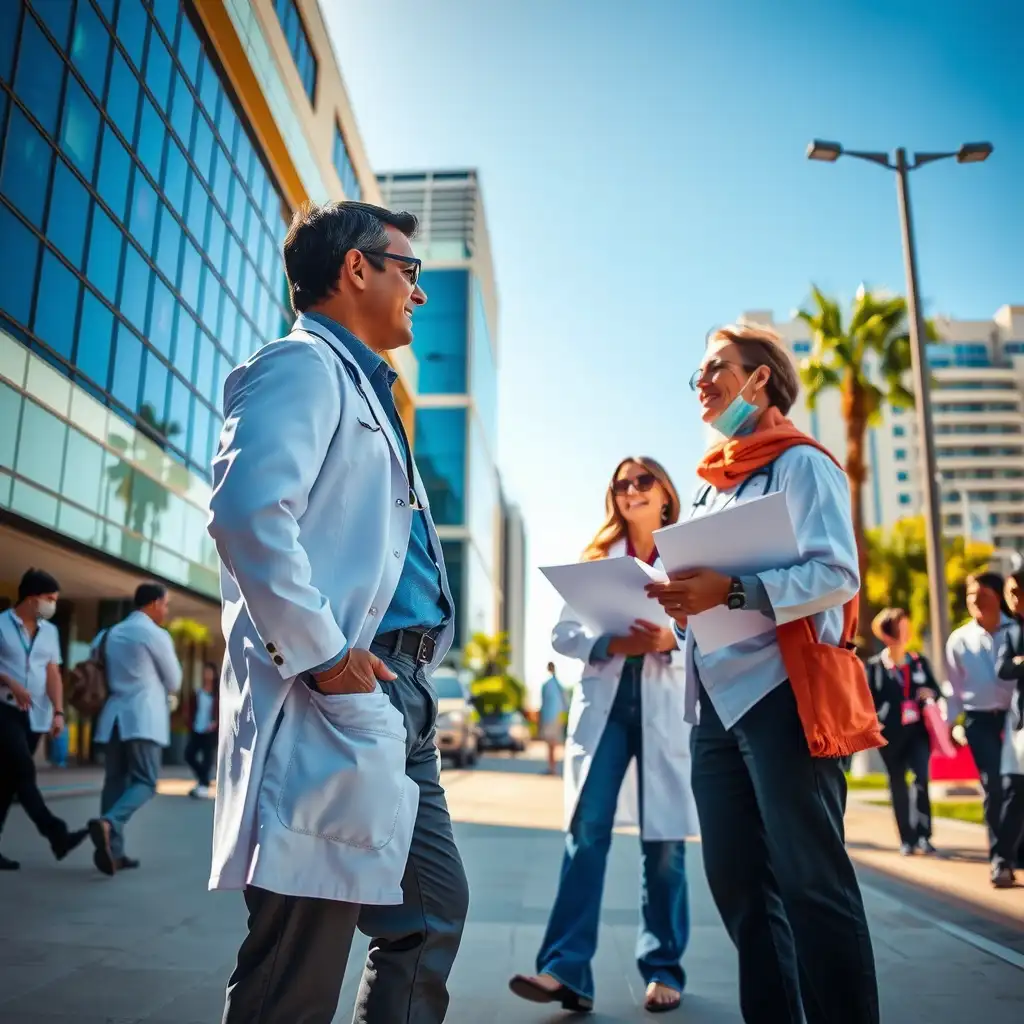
626	712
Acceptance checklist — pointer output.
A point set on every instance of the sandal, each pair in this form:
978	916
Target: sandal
528	989
652	1007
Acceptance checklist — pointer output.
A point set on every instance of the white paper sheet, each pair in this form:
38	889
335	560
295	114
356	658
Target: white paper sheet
608	595
739	540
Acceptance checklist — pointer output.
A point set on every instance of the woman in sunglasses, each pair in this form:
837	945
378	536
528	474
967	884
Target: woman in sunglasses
625	726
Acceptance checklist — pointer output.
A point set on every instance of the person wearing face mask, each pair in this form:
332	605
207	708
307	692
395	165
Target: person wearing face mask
142	671
31	704
980	699
775	715
626	736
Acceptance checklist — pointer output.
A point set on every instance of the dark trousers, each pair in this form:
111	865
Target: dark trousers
909	750
771	820
201	755
1010	843
291	964
130	772
18	774
985	738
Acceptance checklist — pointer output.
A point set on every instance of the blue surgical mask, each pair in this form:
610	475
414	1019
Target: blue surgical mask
737	417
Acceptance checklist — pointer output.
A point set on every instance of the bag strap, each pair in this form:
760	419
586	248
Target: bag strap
101	650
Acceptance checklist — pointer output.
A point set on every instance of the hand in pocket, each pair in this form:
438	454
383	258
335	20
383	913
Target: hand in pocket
357	672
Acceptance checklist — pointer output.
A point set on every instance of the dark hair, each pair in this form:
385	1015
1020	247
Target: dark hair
994	582
886	623
319	237
36	582
147	593
213	667
761	346
551	667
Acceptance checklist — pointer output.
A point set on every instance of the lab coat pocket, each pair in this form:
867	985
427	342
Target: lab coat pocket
345	775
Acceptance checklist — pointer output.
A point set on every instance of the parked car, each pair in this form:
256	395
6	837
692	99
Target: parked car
458	733
507	730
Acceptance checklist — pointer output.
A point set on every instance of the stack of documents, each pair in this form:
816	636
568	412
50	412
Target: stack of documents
609	595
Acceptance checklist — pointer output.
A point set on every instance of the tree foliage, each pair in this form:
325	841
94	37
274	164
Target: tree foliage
493	689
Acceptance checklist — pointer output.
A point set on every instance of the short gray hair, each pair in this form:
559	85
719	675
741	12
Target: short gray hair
321	235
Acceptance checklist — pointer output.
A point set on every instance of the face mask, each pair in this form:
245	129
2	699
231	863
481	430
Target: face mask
735	416
46	609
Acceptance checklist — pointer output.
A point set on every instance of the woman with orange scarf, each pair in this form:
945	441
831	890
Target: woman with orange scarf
775	715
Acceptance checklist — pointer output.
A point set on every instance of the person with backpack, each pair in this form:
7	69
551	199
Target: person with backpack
142	672
31	705
902	683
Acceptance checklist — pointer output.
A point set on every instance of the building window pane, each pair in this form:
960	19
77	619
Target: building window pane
440	329
299	44
151	139
94	337
158	70
154	393
26	169
41	447
10	16
189	50
57	306
204	366
104	254
197	207
183	106
185	343
191	271
453	552
178	408
345	168
115	167
131	29
169	245
202	146
10	416
56	16
215	240
81	128
19	255
135	287
83	471
39	76
90	47
161	318
122	97
127	368
69	210
199	438
143	214
175	177
441	456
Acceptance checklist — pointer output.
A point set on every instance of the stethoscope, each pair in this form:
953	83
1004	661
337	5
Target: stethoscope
702	499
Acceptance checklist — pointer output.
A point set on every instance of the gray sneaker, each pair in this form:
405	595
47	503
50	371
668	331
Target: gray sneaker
1002	877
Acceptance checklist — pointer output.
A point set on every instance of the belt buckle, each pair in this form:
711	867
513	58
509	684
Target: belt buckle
426	649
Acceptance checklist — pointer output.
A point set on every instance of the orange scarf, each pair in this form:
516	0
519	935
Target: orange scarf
829	683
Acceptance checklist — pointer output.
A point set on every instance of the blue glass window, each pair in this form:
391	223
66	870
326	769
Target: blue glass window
183	107
197	208
298	43
178	408
56	16
39	76
439	330
115	167
441	456
205	366
202	146
176	173
233	263
902	476
90	47
154	391
150	147
135	287
104	254
483	369
10	15
142	221
185	343
199	437
217	232
898	431
122	96
161	318
57	306
131	29
94	337
904	499
127	368
69	211
169	244
81	128
166	12
19	255
107	7
158	70
209	85
26	169
345	168
453	552
211	299
221	177
900	454
191	270
189	50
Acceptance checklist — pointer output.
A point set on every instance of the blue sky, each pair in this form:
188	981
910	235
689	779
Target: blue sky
644	178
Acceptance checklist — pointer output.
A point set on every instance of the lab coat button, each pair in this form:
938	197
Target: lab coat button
397	553
278	660
400	503
271	649
373	610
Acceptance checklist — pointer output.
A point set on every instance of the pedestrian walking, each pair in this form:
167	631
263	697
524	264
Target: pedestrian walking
626	737
203	716
980	699
553	706
902	684
31	705
330	813
142	672
775	714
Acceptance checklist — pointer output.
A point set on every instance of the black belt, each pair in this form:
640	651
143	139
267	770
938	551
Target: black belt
418	644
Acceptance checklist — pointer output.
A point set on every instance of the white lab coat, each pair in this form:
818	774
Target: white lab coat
311	518
669	812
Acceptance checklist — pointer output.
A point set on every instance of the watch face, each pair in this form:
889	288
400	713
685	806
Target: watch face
737	602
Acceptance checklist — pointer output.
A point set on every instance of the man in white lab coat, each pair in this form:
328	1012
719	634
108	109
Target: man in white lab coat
330	814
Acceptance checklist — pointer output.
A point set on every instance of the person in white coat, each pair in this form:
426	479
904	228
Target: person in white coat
330	813
142	671
627	735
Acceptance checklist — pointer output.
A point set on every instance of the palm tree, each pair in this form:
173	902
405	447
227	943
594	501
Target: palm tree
866	360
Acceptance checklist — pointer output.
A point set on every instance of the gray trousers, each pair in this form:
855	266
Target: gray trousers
291	964
130	771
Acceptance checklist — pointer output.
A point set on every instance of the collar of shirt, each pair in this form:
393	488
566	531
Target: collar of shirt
975	630
374	366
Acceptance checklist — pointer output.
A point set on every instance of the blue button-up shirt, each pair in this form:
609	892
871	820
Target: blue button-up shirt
971	653
419	602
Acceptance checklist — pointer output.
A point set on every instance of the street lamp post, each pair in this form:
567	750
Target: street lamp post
829	152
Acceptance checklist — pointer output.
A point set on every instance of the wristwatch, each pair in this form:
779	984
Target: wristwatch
736	600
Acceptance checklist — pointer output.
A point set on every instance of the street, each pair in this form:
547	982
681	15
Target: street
153	945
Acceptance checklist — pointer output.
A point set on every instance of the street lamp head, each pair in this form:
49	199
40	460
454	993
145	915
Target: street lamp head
829	152
974	152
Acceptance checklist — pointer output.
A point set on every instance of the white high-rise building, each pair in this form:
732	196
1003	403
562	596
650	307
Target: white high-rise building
978	411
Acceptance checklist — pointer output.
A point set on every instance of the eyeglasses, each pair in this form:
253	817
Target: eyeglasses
415	265
711	369
642	483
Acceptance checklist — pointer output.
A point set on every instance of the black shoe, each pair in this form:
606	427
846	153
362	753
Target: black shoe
6	864
925	846
99	833
67	842
526	988
126	863
906	850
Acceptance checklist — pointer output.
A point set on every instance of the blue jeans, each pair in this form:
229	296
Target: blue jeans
571	938
130	771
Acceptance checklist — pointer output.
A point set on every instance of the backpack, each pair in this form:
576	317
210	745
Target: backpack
87	684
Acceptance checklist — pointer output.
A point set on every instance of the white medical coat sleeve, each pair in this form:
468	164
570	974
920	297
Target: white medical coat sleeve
281	410
827	575
571	639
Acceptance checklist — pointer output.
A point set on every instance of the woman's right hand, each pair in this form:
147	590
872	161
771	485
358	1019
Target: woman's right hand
643	638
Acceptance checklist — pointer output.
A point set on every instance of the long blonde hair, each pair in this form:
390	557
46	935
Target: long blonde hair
614	527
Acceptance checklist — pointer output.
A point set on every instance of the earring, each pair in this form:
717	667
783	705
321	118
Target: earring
664	513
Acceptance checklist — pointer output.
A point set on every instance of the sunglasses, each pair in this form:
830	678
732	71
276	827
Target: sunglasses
413	265
711	370
642	483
